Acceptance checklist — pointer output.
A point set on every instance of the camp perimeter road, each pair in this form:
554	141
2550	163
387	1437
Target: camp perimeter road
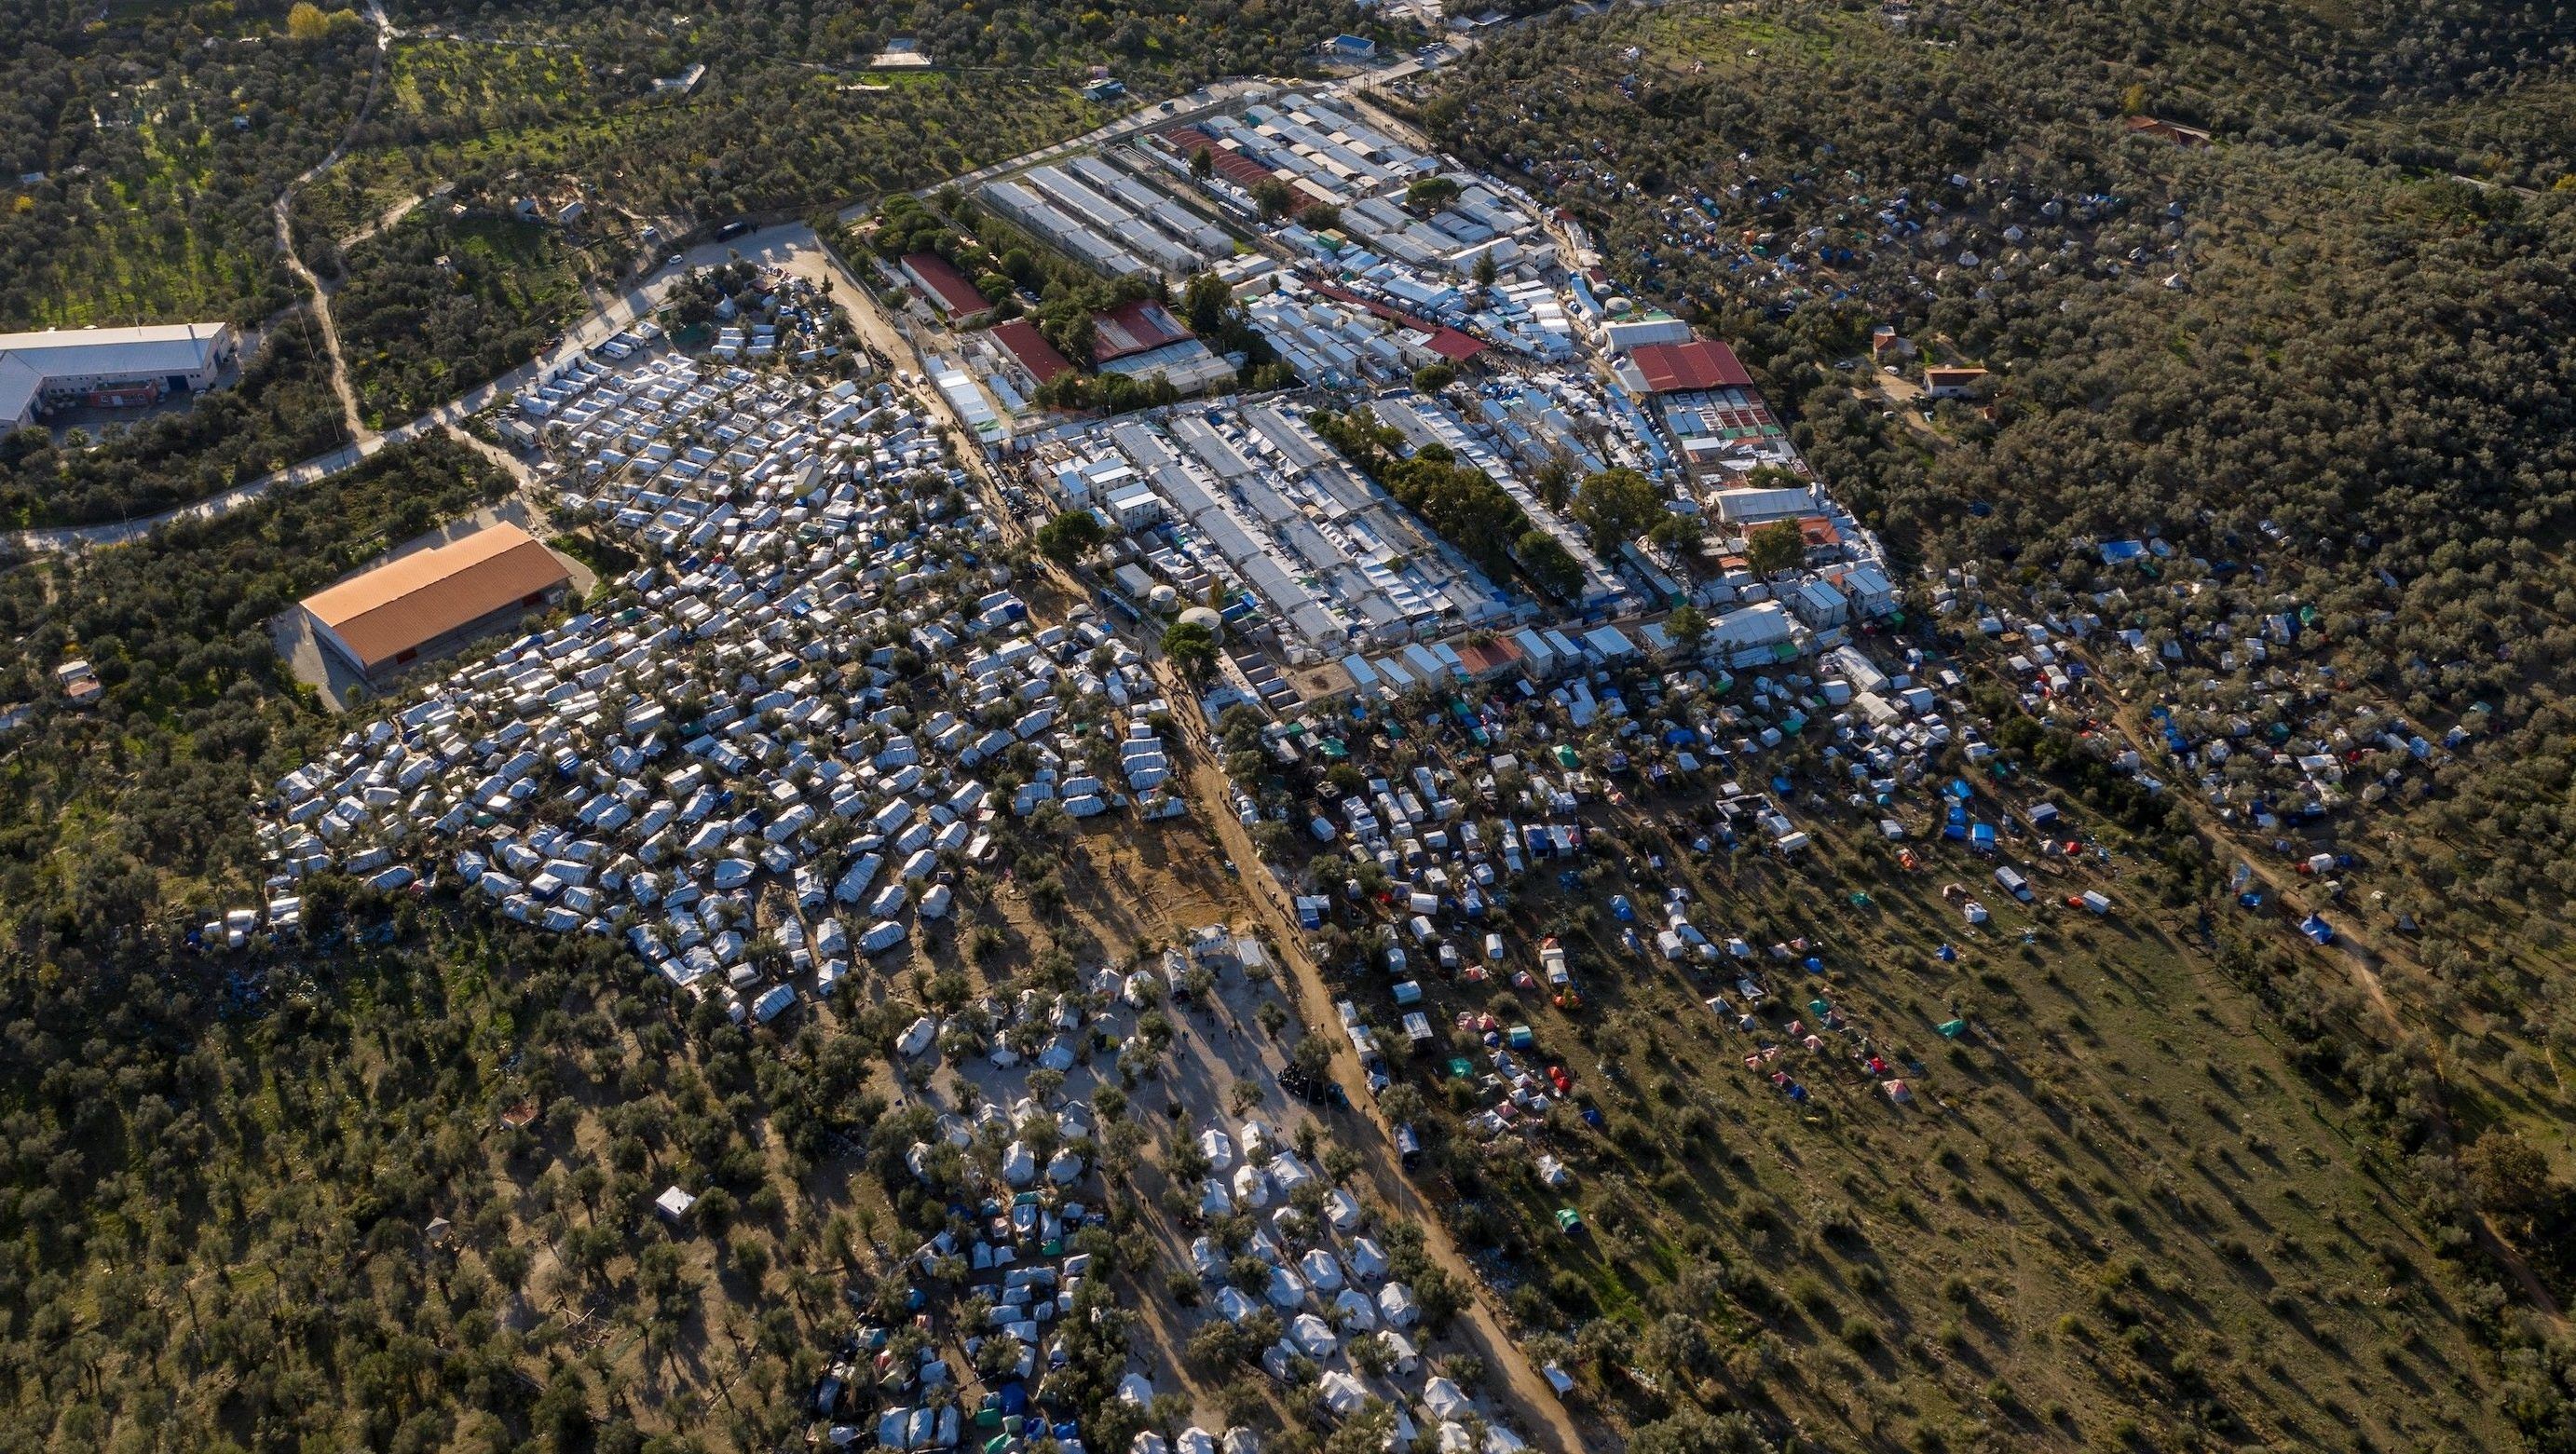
779	247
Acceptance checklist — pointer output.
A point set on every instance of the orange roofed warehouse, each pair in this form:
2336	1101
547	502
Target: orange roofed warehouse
389	617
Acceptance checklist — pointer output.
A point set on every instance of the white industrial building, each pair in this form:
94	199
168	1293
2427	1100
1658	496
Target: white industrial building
1057	229
1255	499
1109	218
109	367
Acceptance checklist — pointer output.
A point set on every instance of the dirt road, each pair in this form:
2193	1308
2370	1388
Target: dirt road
1521	1389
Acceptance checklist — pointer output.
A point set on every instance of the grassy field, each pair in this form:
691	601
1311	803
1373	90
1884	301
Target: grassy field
164	214
788	139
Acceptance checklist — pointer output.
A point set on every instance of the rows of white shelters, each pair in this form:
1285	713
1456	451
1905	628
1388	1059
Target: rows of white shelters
1108	217
790	726
1424	420
1326	1280
1252	495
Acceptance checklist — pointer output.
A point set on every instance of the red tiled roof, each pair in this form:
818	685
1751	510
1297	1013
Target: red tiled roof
1025	343
1233	165
949	288
1484	658
1455	345
1702	363
1132	328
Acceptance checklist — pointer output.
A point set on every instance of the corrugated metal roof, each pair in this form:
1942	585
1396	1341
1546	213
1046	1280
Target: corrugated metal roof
1702	363
418	598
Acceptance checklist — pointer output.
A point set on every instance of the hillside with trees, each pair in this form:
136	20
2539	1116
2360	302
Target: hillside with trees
140	155
2330	377
280	411
2281	290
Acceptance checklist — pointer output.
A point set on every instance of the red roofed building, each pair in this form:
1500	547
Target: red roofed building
1132	328
940	282
1455	345
1486	660
1681	368
1225	161
1021	339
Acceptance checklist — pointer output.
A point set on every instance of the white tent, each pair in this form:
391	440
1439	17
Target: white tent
1217	1147
1288	1171
1019	1164
917	1036
1368	1260
1342	1210
1342	1393
1251	1188
1395	1300
1313	1336
1445	1399
1322	1273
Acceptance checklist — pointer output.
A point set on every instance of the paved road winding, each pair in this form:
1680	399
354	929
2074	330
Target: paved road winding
775	247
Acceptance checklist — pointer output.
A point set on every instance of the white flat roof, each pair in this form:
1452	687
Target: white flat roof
154	348
29	360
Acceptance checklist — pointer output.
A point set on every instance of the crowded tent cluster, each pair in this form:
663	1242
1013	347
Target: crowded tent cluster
824	684
1628	466
1335	339
972	1336
1406	220
981	1299
2240	701
1296	1270
982	1327
1477	854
